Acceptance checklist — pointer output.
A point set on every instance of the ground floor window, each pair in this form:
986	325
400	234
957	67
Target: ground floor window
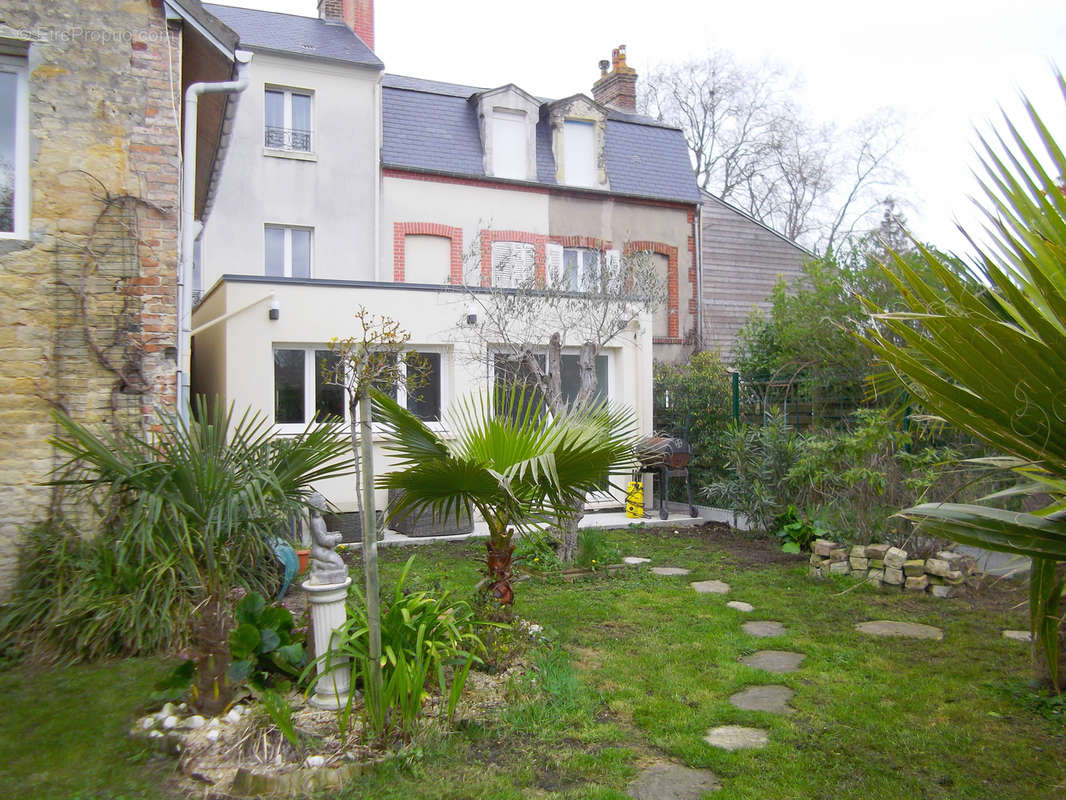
306	388
509	370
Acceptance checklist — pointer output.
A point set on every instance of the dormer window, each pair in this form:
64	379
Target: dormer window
508	121
579	141
510	156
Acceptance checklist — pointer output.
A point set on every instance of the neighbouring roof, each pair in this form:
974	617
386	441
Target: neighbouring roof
296	35
431	125
210	26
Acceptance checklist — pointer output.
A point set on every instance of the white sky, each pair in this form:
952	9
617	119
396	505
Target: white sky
947	65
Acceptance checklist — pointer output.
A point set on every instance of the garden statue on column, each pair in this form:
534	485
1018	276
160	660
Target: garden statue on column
328	591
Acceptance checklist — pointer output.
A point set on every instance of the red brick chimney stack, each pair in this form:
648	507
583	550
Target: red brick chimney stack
356	14
617	88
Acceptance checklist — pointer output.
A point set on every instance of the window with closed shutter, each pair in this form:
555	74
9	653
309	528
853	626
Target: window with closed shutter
513	264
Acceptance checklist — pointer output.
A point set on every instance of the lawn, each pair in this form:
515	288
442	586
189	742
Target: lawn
634	670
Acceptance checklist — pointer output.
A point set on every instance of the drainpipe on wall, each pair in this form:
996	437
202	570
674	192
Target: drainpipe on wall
190	228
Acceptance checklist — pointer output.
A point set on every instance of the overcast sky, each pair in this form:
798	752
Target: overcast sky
947	65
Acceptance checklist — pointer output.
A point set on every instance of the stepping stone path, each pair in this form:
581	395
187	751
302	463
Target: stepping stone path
670	571
737	737
673	782
740	605
885	627
635	560
710	587
776	661
772	699
763	629
1018	636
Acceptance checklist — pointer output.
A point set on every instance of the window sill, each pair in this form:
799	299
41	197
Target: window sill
13	242
295	155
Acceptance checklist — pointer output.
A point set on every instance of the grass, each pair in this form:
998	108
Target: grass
635	669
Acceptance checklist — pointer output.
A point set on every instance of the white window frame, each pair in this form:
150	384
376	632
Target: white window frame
287	93
513	116
21	166
503	265
309	386
287	249
573	159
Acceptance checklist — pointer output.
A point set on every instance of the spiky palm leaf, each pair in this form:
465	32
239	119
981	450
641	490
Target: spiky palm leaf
990	358
517	467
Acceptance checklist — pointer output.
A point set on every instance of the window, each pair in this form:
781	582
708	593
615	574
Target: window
303	381
580	268
420	390
288	120
508	371
14	148
288	252
660	325
579	148
510	157
513	264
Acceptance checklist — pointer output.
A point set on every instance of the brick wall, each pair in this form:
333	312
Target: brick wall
95	283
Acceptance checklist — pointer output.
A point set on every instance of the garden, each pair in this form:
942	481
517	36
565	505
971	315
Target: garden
837	640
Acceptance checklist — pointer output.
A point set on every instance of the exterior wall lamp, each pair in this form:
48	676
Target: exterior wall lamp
275	310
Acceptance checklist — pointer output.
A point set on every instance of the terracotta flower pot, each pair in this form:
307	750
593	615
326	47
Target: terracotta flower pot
305	557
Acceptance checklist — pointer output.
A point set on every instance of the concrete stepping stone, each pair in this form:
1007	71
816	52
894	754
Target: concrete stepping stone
777	661
772	699
673	782
1018	636
670	571
635	560
912	630
763	628
710	587
737	737
740	605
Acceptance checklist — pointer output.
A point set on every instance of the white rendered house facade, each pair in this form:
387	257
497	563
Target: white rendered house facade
345	188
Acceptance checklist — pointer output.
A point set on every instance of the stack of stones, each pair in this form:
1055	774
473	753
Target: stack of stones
889	567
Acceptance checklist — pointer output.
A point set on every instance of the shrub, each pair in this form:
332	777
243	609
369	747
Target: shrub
594	549
700	408
536	549
262	648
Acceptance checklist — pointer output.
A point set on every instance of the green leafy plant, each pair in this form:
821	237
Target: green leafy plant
423	638
797	532
262	648
536	550
516	467
595	550
280	712
759	460
193	512
988	356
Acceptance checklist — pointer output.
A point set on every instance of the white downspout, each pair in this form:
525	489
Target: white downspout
190	228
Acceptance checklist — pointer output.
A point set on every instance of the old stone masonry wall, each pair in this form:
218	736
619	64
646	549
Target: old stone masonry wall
88	299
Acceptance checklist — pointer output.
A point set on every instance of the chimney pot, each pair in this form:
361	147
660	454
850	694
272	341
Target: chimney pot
604	66
618	88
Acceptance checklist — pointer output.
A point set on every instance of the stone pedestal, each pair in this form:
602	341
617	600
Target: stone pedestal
328	612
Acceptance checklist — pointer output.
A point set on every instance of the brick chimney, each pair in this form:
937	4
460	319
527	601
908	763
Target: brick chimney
617	88
356	14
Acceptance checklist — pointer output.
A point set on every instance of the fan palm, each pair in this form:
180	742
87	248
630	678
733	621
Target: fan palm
990	359
517	467
207	497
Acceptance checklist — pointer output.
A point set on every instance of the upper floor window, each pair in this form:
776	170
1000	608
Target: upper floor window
579	149
513	264
510	145
288	252
14	148
288	120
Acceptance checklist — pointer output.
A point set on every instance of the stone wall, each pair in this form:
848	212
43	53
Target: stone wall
88	300
892	568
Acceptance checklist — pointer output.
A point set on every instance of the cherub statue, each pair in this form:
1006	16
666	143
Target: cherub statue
326	566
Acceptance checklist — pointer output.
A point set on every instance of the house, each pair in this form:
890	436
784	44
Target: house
90	102
348	187
742	261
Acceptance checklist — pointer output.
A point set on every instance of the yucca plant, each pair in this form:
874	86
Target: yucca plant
989	357
206	496
517	467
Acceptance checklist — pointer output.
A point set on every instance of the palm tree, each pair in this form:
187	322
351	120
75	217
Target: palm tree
517	467
207	496
990	358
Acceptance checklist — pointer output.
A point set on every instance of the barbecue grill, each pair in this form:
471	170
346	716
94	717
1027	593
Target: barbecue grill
668	457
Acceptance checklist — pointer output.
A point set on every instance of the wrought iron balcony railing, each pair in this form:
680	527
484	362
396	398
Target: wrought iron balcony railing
288	139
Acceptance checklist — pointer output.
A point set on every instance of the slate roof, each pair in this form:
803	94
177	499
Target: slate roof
296	35
431	125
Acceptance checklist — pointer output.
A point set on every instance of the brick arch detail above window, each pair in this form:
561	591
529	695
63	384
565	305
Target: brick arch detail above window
401	230
488	236
673	295
589	242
